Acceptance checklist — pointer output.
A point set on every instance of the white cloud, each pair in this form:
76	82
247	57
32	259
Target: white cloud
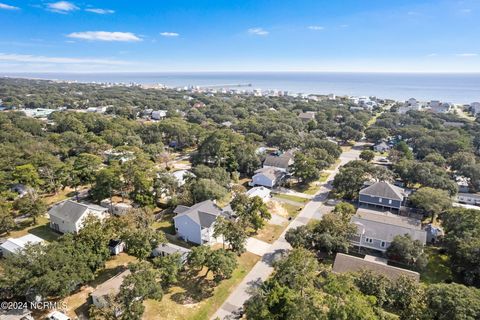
466	11
105	36
316	28
61	7
100	11
466	54
432	55
258	31
24	58
8	7
344	26
169	34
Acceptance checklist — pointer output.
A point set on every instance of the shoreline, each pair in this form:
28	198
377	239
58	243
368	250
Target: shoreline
397	87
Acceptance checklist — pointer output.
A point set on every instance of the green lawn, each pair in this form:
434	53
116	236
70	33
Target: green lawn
291	198
40	229
324	176
438	268
165	224
311	188
177	303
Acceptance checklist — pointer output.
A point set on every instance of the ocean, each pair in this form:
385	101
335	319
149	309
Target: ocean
456	88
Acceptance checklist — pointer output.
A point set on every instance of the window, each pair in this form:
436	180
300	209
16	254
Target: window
383	244
368	240
380	200
389	201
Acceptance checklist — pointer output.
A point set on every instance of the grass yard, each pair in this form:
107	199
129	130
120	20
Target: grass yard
270	232
310	189
291	209
40	229
177	303
165	224
438	267
291	197
333	166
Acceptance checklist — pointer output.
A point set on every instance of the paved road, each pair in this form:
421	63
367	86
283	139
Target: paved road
314	209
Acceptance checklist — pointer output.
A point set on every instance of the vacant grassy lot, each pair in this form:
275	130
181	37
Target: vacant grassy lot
196	299
291	198
270	232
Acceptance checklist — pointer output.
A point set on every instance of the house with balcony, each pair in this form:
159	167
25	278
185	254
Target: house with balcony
376	230
382	195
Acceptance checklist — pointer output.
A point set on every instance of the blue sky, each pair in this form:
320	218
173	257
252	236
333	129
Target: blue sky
229	35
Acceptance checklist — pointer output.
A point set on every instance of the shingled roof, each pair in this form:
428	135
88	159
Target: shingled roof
282	161
345	263
384	189
72	211
204	213
270	173
386	226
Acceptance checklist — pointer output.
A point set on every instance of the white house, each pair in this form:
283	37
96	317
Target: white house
262	192
410	104
381	147
15	245
469	198
440	107
111	287
159	114
57	315
196	223
68	216
267	177
181	176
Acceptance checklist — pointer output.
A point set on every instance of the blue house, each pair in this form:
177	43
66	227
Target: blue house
382	195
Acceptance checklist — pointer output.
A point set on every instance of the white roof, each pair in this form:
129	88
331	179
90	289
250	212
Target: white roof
261	192
15	245
57	315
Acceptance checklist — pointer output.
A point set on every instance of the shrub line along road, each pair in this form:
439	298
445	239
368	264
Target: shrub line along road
314	209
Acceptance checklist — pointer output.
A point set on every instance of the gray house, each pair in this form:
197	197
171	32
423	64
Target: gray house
382	195
376	230
196	223
68	216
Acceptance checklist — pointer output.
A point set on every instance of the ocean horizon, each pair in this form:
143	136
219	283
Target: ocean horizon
458	88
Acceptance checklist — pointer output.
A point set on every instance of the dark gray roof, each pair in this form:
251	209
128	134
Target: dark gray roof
204	213
72	211
346	263
278	162
384	190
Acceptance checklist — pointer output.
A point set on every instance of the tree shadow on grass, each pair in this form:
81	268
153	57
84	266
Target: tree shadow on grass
44	232
196	289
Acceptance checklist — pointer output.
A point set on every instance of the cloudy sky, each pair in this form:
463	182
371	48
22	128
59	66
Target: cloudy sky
230	35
